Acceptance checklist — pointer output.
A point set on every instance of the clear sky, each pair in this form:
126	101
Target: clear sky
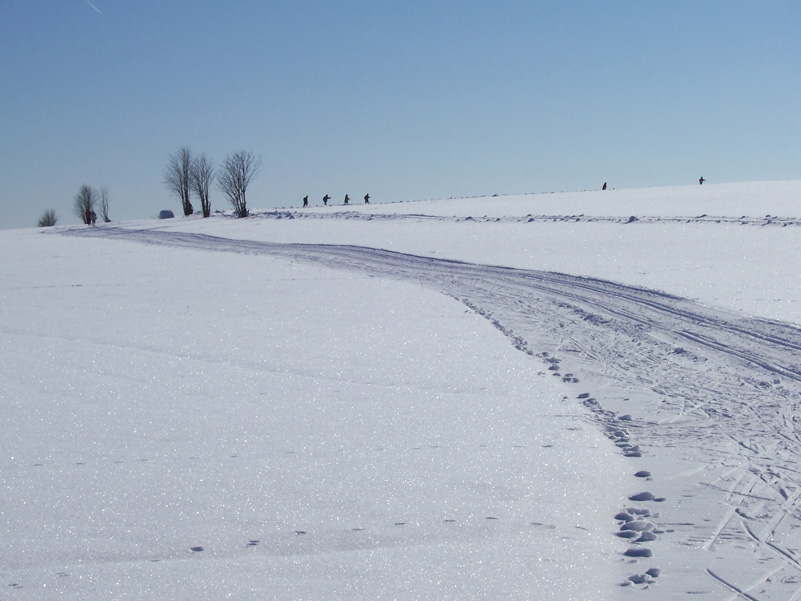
405	100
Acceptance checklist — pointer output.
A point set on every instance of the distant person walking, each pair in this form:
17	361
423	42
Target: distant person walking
93	217
347	198
367	199
305	201
326	198
604	186
701	181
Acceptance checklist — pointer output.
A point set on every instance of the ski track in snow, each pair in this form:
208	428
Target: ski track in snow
707	398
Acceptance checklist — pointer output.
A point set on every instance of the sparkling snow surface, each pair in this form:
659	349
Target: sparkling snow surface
191	411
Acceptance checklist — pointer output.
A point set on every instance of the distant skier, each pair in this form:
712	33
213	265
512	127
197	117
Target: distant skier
367	199
701	181
604	186
305	201
347	198
326	198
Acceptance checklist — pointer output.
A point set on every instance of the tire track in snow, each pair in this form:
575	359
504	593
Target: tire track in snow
707	389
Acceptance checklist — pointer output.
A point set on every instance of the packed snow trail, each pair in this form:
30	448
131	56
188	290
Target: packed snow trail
703	402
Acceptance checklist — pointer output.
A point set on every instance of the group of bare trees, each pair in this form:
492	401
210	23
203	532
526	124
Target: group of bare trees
186	176
85	205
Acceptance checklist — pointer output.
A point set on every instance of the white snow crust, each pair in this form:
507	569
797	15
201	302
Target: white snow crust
570	396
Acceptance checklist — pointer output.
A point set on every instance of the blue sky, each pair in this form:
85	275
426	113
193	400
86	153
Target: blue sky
404	100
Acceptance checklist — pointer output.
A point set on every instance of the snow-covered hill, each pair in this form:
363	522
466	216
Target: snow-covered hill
550	396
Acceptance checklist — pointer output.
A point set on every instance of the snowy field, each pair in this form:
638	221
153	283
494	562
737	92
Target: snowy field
567	396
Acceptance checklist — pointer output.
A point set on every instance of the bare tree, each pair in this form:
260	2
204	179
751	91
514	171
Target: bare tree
201	175
237	172
48	218
83	203
176	177
104	197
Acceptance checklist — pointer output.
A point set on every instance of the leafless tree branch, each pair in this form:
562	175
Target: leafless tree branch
176	177
201	176
83	203
104	198
238	171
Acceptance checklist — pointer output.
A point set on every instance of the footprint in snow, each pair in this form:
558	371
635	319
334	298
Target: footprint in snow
645	579
638	526
627	534
638	553
646	496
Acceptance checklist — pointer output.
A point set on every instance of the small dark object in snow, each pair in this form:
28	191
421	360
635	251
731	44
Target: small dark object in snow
196	549
632	219
643	474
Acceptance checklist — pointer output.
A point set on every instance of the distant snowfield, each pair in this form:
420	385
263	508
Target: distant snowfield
193	411
736	246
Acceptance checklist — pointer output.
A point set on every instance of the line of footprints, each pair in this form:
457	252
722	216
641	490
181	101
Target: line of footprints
634	524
